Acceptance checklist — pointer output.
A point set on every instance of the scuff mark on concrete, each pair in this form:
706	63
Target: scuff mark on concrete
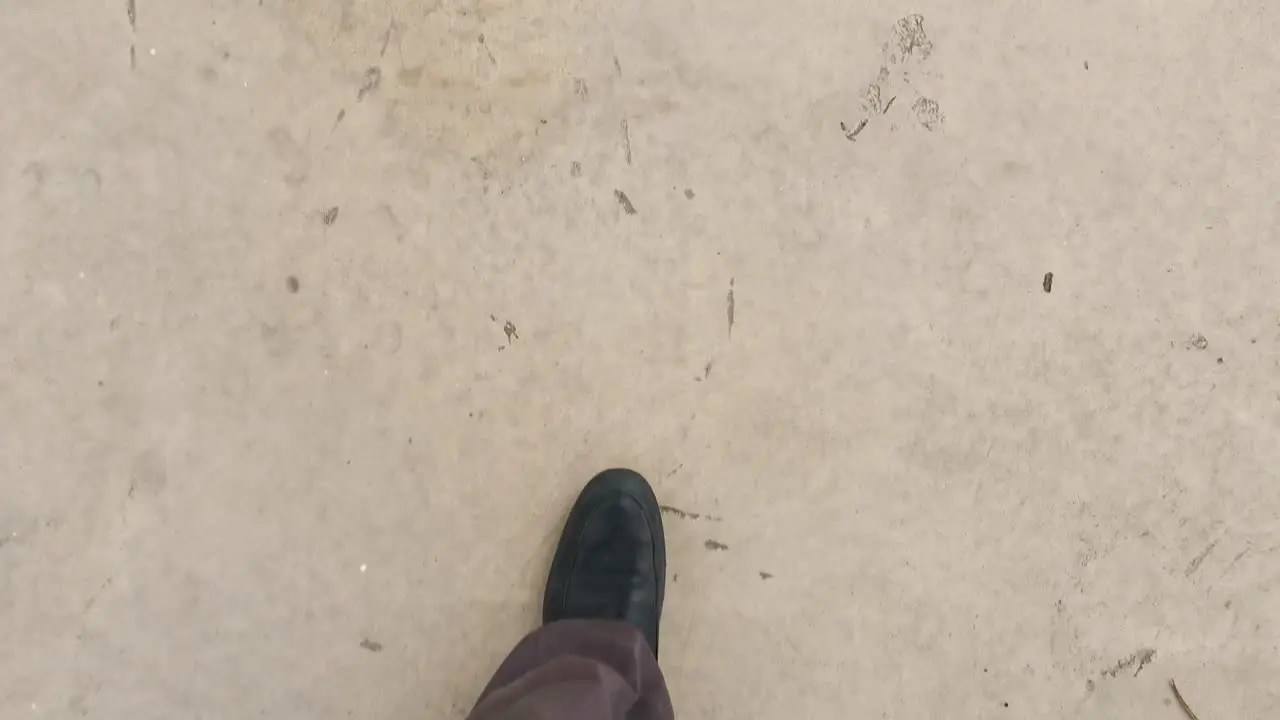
1195	562
626	141
1140	657
729	307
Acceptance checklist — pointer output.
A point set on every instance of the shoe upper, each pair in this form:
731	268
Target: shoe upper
611	560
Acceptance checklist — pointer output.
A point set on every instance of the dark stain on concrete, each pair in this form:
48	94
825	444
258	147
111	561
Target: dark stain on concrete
729	307
370	81
625	202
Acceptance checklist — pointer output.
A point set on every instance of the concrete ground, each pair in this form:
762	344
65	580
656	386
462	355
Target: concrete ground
315	314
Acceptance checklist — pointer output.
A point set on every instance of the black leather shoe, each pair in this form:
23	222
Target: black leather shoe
612	559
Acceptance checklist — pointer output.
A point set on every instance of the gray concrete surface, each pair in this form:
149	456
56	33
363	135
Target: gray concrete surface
942	491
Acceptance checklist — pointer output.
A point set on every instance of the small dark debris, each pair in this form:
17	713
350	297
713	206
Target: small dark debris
625	202
706	370
765	576
510	329
291	283
1047	284
330	216
852	134
1219	361
1086	64
1006	704
575	169
714	545
371	645
888	105
1198	341
688	193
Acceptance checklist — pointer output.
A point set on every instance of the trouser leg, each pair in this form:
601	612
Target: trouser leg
577	670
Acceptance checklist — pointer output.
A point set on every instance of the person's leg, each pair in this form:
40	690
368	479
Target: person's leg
578	670
595	658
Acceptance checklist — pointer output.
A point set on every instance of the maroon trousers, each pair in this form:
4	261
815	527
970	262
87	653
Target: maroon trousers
577	670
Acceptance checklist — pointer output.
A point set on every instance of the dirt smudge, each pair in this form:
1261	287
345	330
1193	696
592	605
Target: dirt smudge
1140	657
625	202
